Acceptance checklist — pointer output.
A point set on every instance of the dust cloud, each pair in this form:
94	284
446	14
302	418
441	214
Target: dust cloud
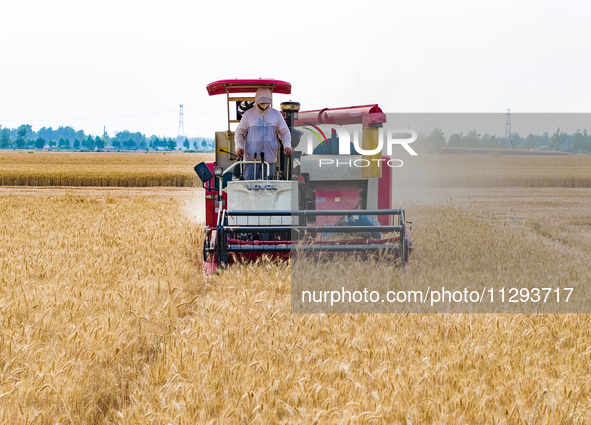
194	207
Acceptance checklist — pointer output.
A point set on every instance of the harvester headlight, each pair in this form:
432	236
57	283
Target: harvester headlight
218	171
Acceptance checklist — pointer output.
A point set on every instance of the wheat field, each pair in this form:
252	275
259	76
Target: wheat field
107	318
441	171
100	169
168	169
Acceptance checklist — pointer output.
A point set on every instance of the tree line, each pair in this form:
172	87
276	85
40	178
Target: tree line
579	142
67	137
24	137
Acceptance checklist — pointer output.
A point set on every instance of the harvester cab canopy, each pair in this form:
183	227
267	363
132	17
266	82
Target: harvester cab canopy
238	86
248	86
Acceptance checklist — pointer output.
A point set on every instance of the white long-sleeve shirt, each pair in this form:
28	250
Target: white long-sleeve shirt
258	131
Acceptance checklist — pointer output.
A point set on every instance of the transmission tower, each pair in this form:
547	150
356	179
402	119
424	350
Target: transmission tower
508	125
104	131
181	123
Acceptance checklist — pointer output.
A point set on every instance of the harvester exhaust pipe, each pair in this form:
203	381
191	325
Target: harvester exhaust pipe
263	177
290	111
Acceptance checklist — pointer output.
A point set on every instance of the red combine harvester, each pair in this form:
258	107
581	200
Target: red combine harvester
313	204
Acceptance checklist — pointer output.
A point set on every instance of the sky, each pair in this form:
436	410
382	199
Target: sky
129	64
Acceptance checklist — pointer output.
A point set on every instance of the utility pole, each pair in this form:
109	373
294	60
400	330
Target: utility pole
508	126
181	124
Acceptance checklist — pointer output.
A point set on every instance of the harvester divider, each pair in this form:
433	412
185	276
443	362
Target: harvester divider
311	248
291	238
325	229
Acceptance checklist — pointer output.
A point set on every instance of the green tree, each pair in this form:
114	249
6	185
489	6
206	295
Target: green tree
76	144
80	135
156	142
556	141
186	143
587	144
21	137
545	139
100	143
490	142
39	143
5	139
472	139
52	143
45	133
512	143
581	142
29	131
171	145
116	143
90	143
517	140
455	140
204	144
437	138
129	140
64	143
143	144
130	144
529	142
67	133
430	142
122	137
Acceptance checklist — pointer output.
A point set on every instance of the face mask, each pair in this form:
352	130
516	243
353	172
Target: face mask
263	106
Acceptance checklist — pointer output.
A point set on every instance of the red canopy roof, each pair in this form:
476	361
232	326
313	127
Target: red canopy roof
248	86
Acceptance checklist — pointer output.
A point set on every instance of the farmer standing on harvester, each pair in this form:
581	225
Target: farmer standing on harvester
257	134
